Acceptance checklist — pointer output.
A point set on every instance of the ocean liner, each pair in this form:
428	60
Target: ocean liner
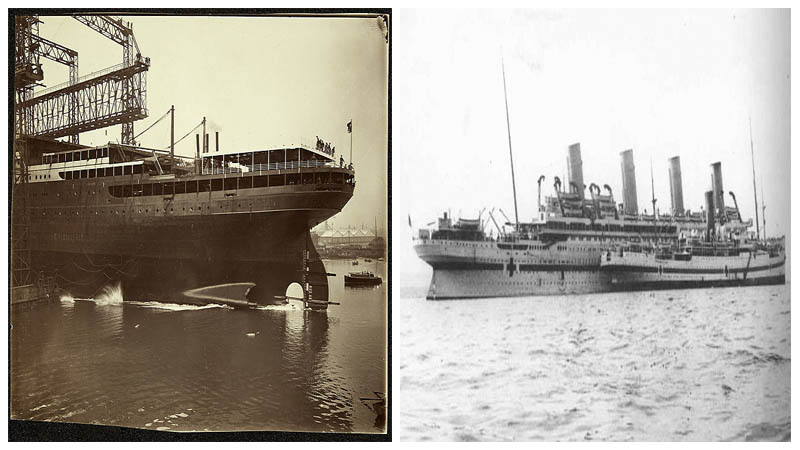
584	245
566	249
222	227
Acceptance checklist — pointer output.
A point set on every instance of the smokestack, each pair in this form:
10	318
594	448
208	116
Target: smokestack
575	167
716	186
216	133
709	214
676	185
629	203
197	162
205	143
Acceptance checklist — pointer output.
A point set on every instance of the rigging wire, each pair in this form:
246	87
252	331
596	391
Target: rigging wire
187	134
152	125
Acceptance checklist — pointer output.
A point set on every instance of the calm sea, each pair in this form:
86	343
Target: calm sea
686	365
178	367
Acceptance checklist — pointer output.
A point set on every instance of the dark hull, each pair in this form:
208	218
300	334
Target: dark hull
161	246
168	279
350	281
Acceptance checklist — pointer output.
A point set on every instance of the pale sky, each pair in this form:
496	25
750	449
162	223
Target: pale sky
662	82
260	82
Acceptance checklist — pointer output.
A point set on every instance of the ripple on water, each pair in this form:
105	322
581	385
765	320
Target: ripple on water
632	372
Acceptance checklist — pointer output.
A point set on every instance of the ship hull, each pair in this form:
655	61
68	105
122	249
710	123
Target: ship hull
448	284
636	271
360	281
480	269
248	244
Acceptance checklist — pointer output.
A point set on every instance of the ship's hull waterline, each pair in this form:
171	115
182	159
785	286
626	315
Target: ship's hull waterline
464	269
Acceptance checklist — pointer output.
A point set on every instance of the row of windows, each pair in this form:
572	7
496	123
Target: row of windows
220	184
39	177
184	208
644	228
81	155
101	172
123	211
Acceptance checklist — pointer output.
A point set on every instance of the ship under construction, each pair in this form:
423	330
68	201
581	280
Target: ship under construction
226	227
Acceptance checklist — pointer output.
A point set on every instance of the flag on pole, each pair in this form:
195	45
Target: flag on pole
350	126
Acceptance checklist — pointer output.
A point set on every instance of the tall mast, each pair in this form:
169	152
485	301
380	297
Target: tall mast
510	153
753	159
652	189
653	196
763	213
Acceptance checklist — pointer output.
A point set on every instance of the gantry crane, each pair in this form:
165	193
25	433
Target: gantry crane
116	95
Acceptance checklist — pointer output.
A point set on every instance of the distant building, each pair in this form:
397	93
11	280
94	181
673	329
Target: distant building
361	238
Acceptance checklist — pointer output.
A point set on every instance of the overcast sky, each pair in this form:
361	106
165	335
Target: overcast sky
260	82
662	82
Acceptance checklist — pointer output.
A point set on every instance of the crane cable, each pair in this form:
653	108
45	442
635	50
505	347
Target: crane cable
152	125
187	134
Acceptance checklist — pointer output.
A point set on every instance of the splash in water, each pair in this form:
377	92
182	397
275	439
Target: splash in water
111	295
67	299
291	306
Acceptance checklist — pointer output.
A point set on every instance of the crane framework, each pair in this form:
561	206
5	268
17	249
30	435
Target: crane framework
117	95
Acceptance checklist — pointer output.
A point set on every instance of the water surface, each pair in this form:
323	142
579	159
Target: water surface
178	367
693	365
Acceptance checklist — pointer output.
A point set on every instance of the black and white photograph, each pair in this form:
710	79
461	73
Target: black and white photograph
199	221
591	225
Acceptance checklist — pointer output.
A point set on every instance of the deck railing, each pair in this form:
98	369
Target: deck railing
263	167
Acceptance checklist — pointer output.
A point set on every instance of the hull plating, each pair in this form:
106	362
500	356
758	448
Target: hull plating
158	247
467	269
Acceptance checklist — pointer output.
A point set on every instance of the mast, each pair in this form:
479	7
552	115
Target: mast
653	196
652	190
172	138
510	153
753	159
763	213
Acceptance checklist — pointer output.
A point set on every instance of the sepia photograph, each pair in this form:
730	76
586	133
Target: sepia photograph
591	226
199	222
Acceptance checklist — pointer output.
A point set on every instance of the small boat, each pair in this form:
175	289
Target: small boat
355	262
367	260
364	278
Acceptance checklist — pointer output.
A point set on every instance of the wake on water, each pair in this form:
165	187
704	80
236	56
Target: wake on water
111	295
291	306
